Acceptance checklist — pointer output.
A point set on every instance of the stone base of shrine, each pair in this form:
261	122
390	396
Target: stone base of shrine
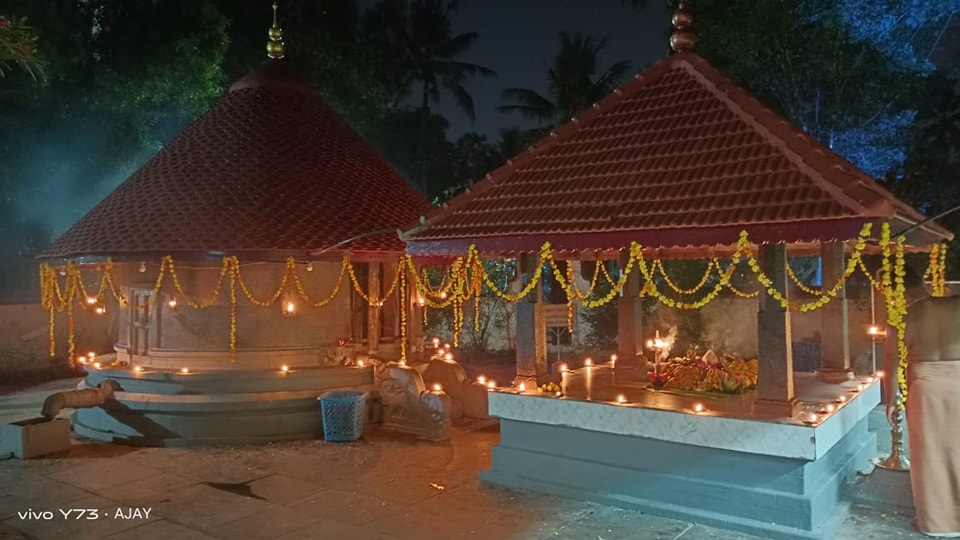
771	478
170	408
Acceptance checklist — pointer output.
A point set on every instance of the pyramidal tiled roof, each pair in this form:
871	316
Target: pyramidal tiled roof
680	156
269	171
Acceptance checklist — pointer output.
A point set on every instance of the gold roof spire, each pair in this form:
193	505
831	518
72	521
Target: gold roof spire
275	45
682	38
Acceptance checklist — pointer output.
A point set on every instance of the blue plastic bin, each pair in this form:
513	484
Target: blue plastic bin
343	415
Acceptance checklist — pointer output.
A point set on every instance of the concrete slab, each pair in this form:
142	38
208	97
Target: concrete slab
311	489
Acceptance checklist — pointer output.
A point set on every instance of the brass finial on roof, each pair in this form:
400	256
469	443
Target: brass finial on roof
275	45
682	38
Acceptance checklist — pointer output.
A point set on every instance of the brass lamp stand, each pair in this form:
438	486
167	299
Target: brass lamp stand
896	461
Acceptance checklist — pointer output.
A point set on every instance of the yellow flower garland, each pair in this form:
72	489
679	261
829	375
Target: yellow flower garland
658	266
800	284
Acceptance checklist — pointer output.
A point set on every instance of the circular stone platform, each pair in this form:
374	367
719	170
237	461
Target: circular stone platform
166	408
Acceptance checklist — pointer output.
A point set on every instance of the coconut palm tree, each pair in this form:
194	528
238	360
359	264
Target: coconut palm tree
423	54
574	83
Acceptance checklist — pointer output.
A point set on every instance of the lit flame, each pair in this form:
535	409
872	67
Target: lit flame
698	407
309	267
436	343
91	300
830	407
443	294
82	359
873	330
880	374
812	418
481	379
138	369
421	301
100	310
437	388
492	384
841	399
621	399
613	358
92	355
184	370
360	363
448	357
143	267
284	368
522	387
172	303
290	308
96	365
446	346
563	368
588	362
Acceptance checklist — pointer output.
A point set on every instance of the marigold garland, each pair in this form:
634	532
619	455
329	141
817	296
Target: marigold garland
333	293
800	285
404	306
936	270
658	267
224	267
467	277
234	271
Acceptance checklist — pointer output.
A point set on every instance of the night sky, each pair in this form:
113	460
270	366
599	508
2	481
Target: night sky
518	39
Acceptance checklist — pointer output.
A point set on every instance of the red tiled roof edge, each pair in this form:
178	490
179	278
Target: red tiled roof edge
740	102
777	130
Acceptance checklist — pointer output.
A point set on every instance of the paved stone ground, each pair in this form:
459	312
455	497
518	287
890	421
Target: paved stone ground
385	486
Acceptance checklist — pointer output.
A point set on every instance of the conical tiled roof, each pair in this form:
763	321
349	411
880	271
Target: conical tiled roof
681	156
269	171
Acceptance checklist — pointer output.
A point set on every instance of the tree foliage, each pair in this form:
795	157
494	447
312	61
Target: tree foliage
574	82
18	46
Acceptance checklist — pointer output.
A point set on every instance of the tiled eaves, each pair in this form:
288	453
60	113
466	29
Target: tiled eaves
606	157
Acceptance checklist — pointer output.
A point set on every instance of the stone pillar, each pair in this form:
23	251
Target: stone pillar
414	314
629	319
373	311
531	327
834	319
775	393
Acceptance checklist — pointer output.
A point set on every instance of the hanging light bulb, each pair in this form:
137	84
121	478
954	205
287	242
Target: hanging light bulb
289	308
310	266
63	271
91	300
172	302
421	301
443	294
100	310
143	267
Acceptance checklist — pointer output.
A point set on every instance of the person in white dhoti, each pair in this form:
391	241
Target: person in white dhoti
933	405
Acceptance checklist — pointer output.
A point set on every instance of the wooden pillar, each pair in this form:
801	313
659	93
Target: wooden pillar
531	326
629	319
373	313
834	318
775	392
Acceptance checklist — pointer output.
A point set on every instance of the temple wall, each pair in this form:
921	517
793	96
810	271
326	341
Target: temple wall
25	329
